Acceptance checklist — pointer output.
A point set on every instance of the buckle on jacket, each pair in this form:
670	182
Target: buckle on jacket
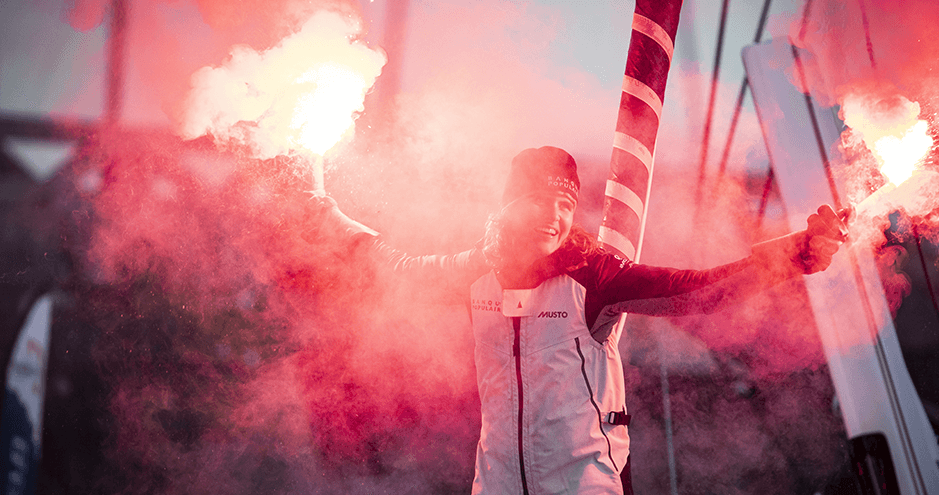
618	418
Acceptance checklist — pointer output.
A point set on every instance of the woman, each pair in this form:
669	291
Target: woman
543	298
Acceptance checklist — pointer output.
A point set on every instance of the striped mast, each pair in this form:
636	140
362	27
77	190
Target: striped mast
655	23
651	45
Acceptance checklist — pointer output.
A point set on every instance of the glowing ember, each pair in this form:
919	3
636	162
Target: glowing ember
900	156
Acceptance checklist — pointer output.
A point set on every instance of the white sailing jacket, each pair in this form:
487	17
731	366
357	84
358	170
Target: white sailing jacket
548	367
546	388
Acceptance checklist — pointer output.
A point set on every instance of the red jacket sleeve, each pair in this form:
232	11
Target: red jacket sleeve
623	286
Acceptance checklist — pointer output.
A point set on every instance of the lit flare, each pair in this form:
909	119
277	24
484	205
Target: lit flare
299	98
326	113
331	96
900	159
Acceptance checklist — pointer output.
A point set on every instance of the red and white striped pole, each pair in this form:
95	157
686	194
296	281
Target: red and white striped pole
655	23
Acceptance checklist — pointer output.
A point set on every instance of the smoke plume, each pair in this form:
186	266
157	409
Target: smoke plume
300	95
245	351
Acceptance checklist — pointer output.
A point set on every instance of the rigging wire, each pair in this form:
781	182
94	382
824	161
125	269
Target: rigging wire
702	167
744	85
867	34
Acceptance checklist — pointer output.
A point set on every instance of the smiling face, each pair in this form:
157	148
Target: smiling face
538	224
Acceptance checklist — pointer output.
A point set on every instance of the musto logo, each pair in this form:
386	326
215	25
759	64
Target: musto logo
552	314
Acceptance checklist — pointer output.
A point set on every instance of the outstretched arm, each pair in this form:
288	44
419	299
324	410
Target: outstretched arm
443	274
669	292
449	274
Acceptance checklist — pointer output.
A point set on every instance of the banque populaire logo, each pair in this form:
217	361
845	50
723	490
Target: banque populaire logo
487	305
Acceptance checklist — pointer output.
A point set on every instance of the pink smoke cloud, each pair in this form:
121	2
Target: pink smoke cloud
295	374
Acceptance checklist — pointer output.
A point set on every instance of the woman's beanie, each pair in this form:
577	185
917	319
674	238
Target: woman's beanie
541	169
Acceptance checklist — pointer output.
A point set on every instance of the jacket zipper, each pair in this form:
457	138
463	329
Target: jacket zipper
583	370
516	351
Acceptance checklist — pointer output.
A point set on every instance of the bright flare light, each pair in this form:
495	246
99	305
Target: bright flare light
323	116
900	156
298	98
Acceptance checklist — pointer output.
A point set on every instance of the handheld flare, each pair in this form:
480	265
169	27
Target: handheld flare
900	159
898	140
299	98
319	183
915	194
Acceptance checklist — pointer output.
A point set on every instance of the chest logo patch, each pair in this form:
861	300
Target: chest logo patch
515	302
487	305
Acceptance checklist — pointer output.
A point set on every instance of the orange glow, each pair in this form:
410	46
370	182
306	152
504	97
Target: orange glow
899	157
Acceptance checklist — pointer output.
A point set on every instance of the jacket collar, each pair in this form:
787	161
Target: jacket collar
565	260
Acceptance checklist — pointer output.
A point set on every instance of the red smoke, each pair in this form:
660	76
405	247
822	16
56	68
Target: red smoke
860	59
878	60
248	355
84	15
167	41
237	338
849	53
